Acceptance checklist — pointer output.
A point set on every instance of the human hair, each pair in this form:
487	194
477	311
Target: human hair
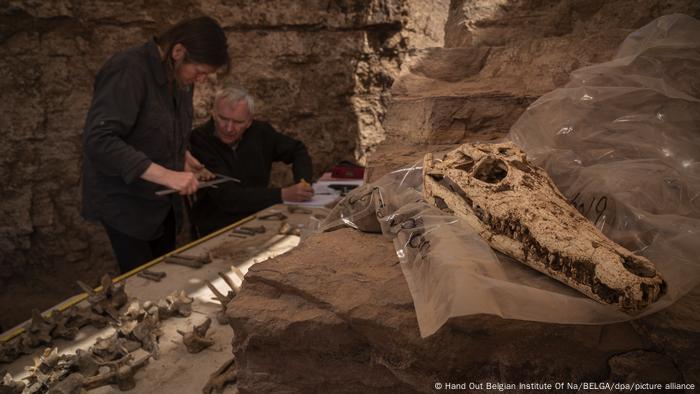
203	38
233	94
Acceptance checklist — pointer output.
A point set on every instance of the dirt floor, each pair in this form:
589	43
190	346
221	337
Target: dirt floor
41	291
23	294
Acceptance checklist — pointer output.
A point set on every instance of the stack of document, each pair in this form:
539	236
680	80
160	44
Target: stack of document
324	194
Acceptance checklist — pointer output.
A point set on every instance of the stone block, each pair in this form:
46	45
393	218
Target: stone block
336	314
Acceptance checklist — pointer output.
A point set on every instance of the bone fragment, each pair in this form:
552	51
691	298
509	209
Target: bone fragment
10	386
204	259
185	262
256	230
223	376
298	209
243	231
288	229
273	216
145	275
196	340
107	300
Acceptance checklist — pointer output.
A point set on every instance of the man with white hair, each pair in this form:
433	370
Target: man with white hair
231	143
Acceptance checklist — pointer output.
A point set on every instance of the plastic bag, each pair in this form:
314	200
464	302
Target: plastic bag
621	141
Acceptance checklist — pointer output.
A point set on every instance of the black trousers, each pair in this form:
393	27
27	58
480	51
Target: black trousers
132	252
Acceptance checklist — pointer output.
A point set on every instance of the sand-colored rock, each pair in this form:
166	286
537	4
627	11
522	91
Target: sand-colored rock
500	56
320	71
336	315
342	320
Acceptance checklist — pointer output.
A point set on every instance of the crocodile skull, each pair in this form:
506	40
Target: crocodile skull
518	210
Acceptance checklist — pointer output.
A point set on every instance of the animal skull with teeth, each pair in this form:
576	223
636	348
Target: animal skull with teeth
515	206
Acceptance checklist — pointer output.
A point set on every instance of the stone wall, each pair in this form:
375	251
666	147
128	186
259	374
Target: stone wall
319	69
500	56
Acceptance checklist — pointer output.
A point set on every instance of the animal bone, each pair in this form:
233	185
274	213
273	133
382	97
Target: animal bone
63	325
147	332
227	373
109	348
86	362
196	340
121	372
237	271
17	347
39	330
45	362
9	351
288	229
359	210
298	209
145	274
256	230
72	384
49	369
234	287
205	175
407	226
273	216
243	231
223	299
108	300
204	259
10	386
84	316
178	303
133	312
183	261
518	210
155	274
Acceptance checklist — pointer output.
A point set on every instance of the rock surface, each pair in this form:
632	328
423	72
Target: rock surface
336	315
320	71
500	56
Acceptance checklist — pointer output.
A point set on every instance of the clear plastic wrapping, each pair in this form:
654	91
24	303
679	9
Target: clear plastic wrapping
621	141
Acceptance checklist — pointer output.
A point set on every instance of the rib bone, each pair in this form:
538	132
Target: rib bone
515	206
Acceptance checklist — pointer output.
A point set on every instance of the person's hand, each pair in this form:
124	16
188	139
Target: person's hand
302	191
205	175
184	182
192	164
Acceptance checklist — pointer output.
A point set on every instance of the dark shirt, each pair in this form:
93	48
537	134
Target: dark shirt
250	160
134	120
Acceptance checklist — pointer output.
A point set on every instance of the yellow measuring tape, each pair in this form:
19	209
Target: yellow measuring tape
73	301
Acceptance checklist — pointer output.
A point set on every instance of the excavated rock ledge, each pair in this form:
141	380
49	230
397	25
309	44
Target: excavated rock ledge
320	72
335	314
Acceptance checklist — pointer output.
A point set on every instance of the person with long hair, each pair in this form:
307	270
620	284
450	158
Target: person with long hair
136	138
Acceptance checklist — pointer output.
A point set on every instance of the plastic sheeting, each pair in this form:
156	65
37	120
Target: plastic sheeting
621	140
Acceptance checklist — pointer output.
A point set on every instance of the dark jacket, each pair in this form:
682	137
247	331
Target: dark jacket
134	120
250	161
